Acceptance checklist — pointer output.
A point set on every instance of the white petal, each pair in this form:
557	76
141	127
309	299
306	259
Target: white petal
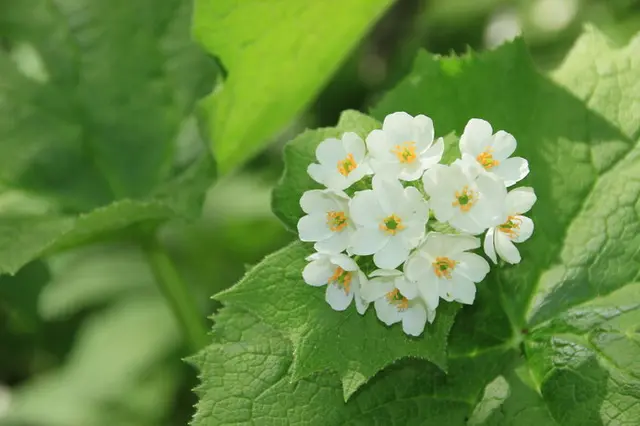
431	315
338	298
385	273
413	233
464	290
377	288
392	254
353	144
423	132
489	247
437	244
313	228
317	201
493	196
416	266
386	170
335	243
503	144
317	273
379	146
317	173
334	180
469	166
344	261
506	249
356	286
475	137
366	241
386	312
428	288
512	170
469	221
409	289
472	266
398	123
526	229
365	210
330	151
390	196
414	319
445	289
411	172
433	155
520	200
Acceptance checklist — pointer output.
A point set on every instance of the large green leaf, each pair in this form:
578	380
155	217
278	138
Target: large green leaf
278	55
562	325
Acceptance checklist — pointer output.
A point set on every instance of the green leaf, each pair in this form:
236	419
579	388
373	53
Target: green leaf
278	56
299	153
323	338
579	130
247	378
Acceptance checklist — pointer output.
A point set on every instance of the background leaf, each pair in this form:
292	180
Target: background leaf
278	56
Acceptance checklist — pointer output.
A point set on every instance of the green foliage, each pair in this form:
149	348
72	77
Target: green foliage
551	341
278	55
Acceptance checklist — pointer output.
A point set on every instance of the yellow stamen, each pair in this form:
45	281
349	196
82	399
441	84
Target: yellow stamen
465	199
406	152
511	226
486	159
443	266
347	165
396	298
341	278
337	221
391	224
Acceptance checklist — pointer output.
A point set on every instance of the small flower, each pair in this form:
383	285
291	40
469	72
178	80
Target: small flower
327	221
392	305
441	267
390	221
515	229
404	148
469	205
341	275
342	162
489	152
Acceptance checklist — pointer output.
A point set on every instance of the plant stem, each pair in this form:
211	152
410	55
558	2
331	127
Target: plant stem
177	294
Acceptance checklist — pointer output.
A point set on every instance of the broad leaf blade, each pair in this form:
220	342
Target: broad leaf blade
278	55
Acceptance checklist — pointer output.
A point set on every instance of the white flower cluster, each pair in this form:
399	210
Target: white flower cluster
392	259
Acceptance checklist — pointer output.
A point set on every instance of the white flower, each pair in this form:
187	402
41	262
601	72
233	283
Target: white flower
441	267
342	277
515	229
489	152
342	162
469	205
390	221
327	221
393	306
404	148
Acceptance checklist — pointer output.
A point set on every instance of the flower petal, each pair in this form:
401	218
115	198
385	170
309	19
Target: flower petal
386	312
377	288
357	284
313	227
337	298
318	272
520	200
475	137
365	209
445	289
366	241
398	123
336	243
506	249
433	155
472	266
428	288
344	261
390	196
423	132
317	173
489	246
409	289
512	170
464	290
503	144
392	254
353	144
526	229
330	151
414	319
379	146
437	244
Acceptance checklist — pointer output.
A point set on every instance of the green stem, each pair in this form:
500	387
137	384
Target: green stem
177	294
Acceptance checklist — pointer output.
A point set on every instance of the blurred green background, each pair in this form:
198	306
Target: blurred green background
86	337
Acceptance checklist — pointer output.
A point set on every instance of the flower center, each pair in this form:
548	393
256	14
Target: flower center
336	221
465	199
406	152
486	159
396	298
511	226
347	165
342	279
443	266
391	224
